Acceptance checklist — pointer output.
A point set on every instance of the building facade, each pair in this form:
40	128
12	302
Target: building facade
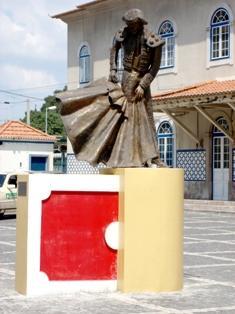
24	148
199	47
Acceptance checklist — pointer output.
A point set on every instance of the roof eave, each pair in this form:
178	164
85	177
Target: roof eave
79	9
189	101
52	140
62	16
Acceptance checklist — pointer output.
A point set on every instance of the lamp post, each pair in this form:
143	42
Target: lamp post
48	108
27	109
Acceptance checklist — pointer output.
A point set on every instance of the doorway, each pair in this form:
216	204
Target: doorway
220	162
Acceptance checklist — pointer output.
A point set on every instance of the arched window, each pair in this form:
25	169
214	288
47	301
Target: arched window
165	142
166	31
220	145
223	123
220	35
84	65
120	67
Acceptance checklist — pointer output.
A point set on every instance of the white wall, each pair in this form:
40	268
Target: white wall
192	18
15	156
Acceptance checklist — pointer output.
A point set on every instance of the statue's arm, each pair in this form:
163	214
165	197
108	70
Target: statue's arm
114	54
149	77
113	60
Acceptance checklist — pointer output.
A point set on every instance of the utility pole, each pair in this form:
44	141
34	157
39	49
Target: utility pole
28	111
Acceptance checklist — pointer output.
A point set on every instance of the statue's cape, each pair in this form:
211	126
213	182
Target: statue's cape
70	100
103	126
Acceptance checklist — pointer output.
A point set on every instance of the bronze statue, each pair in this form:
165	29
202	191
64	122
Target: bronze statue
112	124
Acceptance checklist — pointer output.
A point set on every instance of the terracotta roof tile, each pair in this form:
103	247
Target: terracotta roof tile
207	88
17	130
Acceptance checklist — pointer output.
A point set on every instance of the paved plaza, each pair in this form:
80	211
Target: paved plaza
209	276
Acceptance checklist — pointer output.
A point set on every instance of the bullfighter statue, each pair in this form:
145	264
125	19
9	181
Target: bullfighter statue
114	124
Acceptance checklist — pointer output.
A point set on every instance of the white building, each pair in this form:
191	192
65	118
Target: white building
24	148
195	128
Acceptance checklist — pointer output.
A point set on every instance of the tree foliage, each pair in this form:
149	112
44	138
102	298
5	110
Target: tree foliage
54	122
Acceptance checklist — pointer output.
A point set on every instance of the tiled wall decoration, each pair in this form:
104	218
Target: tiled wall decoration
193	162
81	167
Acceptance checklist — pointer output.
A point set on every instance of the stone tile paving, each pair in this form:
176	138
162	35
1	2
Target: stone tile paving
209	277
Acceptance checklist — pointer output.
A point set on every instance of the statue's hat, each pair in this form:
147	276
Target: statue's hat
134	14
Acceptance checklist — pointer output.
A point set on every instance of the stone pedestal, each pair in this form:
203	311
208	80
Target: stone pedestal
150	257
63	221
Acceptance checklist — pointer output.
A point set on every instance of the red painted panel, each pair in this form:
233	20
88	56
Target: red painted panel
72	235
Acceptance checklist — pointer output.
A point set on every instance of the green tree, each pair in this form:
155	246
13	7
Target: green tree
54	122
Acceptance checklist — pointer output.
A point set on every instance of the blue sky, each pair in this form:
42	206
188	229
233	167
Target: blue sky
33	52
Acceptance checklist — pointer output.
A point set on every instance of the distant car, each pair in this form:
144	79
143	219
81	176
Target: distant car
8	192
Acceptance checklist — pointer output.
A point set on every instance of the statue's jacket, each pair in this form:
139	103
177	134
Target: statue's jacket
141	54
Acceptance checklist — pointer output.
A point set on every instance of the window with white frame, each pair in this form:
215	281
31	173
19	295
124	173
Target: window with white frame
223	123
167	32
165	139
84	65
220	35
220	145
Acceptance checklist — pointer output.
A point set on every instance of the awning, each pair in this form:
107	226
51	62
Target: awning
202	97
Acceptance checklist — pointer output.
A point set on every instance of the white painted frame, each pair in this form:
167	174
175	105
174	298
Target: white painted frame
158	122
214	63
174	69
39	189
84	43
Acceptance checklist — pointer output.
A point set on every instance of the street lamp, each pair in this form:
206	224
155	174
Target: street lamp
48	108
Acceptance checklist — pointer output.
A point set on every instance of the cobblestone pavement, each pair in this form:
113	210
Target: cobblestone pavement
209	277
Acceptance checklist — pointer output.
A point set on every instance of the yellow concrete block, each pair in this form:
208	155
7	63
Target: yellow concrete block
151	229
